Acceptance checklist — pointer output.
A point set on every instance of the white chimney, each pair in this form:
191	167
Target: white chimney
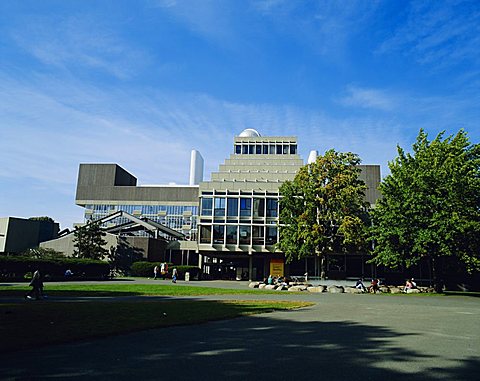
312	158
196	168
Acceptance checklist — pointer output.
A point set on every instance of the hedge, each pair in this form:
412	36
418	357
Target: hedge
15	268
145	269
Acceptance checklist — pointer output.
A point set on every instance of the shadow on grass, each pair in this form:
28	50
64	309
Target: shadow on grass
258	348
19	293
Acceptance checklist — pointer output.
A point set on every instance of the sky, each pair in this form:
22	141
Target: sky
142	83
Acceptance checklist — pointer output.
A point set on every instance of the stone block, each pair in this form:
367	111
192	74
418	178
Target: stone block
316	289
336	289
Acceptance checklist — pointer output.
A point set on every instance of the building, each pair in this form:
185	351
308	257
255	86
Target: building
20	234
229	224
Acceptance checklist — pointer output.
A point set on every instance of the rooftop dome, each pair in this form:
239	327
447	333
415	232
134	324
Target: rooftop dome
249	133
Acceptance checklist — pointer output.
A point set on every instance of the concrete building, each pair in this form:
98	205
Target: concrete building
20	234
229	223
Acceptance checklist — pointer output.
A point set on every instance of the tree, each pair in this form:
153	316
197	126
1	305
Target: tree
431	206
323	209
43	253
89	242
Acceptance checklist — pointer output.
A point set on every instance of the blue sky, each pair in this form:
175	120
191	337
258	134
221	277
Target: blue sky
141	83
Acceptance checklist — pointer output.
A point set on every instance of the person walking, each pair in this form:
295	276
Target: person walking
174	275
155	272
37	286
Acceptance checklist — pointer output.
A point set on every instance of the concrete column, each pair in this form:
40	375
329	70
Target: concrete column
250	268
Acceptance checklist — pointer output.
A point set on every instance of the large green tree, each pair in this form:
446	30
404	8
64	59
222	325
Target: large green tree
89	242
323	209
431	206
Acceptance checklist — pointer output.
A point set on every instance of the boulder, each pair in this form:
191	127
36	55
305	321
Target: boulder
254	284
396	290
384	289
316	289
298	288
270	287
335	289
281	288
413	291
352	290
261	285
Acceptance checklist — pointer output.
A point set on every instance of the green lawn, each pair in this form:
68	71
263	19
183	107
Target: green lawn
126	289
33	324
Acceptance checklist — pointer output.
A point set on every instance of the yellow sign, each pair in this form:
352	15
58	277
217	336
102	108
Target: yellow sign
276	267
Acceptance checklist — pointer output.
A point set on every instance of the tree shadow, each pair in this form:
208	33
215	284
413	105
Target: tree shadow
257	348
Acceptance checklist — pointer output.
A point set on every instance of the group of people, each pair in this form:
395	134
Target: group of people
410	284
279	281
374	285
162	271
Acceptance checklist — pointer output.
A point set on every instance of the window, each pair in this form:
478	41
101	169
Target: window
238	149
258	149
271	150
205	234
272	204
257	238
207	206
232	207
218	231
285	149
265	149
232	235
244	150
279	149
219	206
244	235
293	149
245	207
251	149
258	207
271	238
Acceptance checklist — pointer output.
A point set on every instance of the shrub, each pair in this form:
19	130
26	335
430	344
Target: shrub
145	269
15	267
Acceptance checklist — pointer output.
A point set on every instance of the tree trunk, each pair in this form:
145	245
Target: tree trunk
323	272
437	278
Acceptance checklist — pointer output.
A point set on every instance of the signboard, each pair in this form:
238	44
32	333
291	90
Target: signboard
276	267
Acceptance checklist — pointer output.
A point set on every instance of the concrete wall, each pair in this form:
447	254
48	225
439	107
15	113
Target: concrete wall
20	234
65	244
109	182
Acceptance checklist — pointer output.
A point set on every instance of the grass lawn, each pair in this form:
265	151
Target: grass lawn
33	324
126	290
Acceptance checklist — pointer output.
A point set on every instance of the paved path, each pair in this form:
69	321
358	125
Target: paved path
342	337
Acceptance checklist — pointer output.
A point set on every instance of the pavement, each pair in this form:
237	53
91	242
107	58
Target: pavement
341	337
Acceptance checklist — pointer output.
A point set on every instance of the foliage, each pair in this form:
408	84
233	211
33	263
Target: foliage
42	218
121	257
145	269
430	205
42	252
15	268
323	209
89	241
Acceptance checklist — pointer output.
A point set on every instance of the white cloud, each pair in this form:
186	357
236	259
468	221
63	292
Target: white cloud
69	42
438	33
368	99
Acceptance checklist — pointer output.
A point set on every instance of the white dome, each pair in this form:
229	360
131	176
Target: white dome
249	133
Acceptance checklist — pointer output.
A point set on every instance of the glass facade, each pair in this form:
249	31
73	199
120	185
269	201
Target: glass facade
182	218
265	149
239	220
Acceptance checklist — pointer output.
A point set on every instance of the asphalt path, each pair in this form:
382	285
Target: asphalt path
341	337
